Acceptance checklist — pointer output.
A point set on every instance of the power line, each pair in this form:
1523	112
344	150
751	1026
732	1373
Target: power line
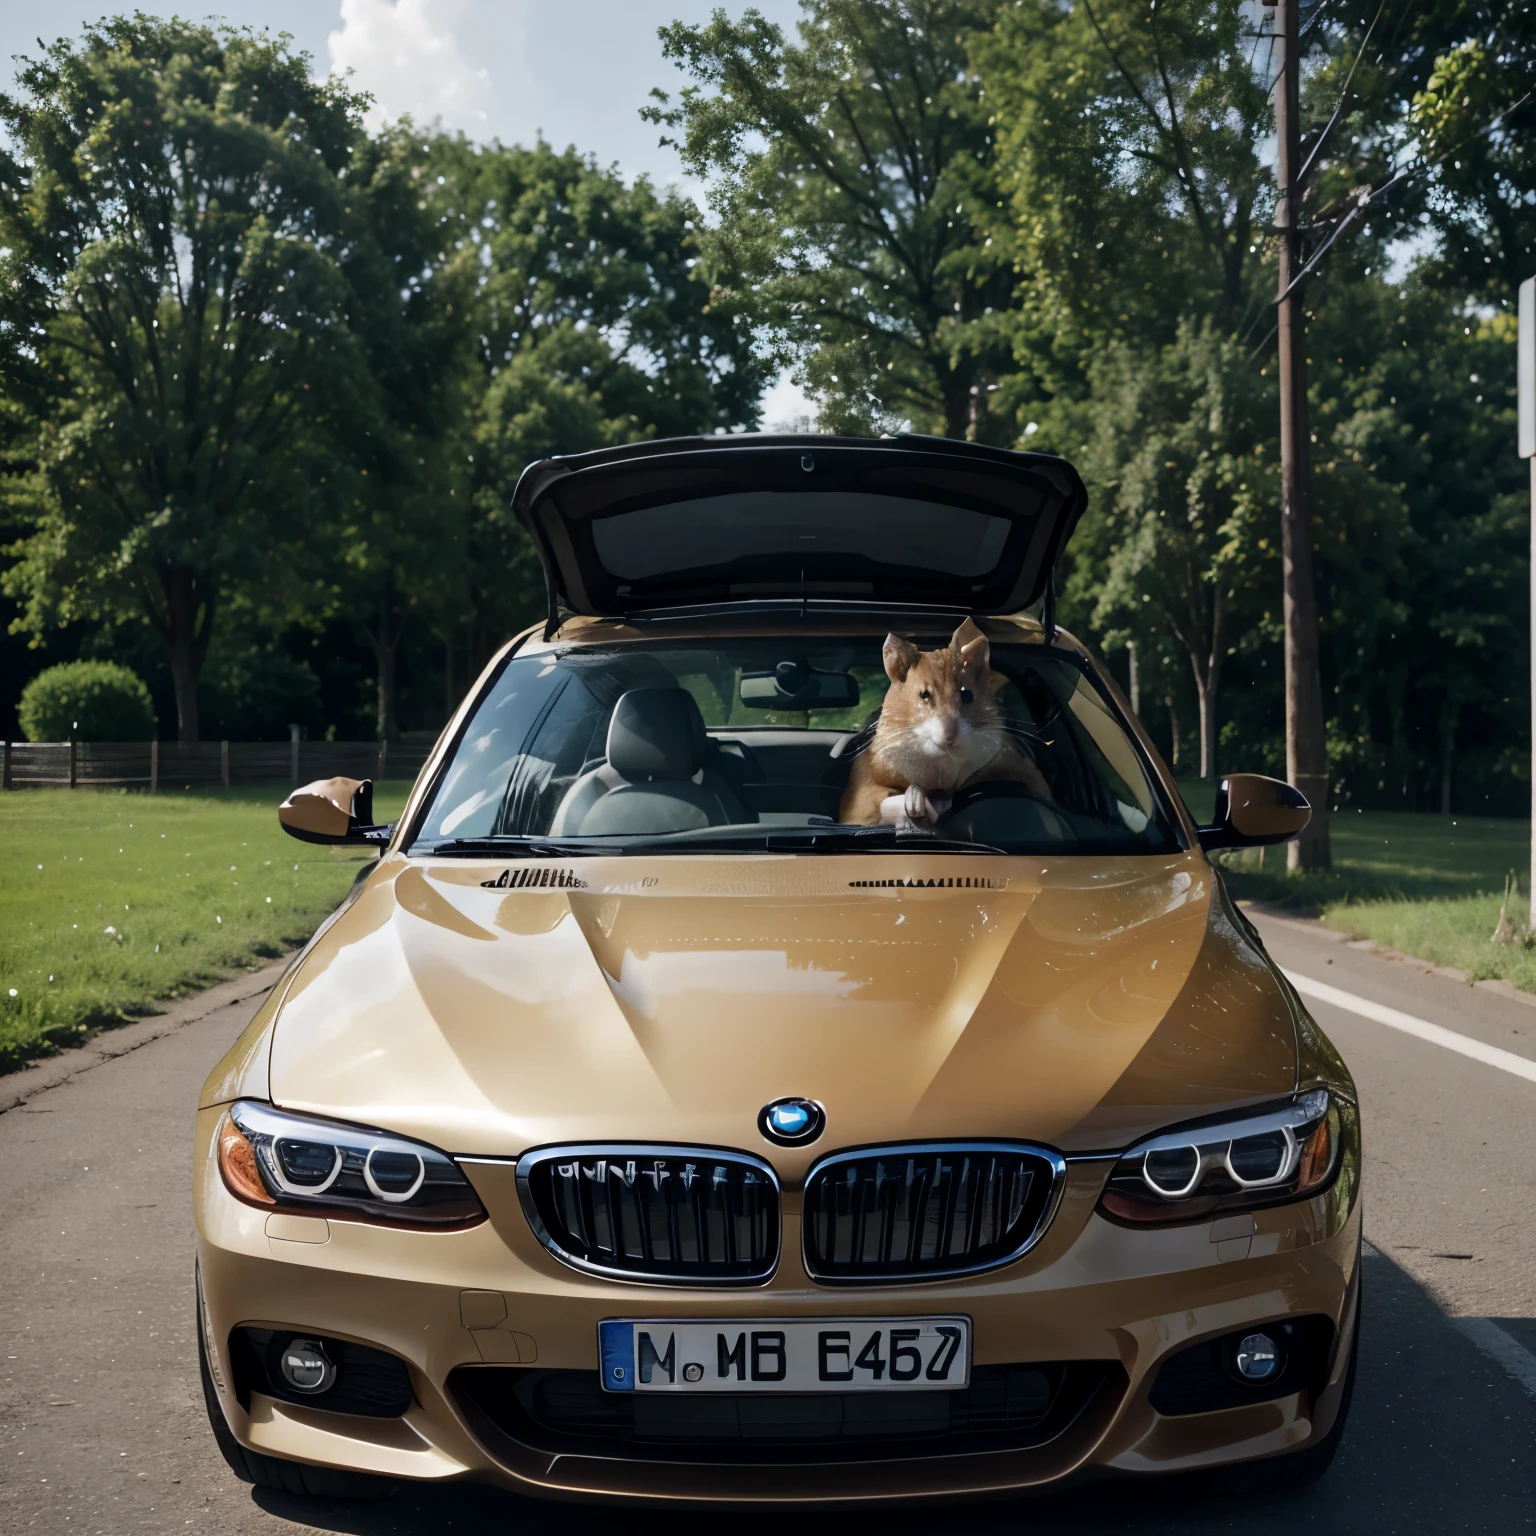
1364	198
1338	109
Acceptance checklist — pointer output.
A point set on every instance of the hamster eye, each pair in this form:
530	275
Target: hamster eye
966	696
925	696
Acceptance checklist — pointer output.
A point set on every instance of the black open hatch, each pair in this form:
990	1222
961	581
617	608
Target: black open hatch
726	520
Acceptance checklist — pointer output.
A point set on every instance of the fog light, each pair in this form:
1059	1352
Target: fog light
307	1368
1257	1357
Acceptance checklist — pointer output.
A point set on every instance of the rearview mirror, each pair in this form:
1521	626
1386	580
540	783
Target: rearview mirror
333	811
799	685
1252	811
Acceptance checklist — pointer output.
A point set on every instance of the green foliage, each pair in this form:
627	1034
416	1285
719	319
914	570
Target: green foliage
1445	92
1134	147
1423	545
852	175
590	325
176	228
269	380
1175	544
87	701
1137	185
259	362
1134	161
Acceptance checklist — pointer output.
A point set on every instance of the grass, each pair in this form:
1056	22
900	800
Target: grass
1428	885
112	901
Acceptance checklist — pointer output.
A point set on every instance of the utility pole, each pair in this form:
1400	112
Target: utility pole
1525	372
1306	744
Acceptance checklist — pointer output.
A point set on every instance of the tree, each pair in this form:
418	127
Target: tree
1130	149
588	324
851	174
175	309
1429	106
1425	582
1174	544
1130	145
397	549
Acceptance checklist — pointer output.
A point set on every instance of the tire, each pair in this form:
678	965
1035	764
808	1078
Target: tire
1298	1469
272	1471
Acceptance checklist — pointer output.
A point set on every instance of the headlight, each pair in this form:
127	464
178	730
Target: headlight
1237	1164
271	1158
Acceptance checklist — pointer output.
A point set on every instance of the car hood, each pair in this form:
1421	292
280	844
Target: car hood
1075	1002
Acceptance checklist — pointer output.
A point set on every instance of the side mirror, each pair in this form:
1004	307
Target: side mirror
1252	811
333	811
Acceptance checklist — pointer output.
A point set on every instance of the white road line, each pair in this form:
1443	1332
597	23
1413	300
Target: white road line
1489	1055
1500	1348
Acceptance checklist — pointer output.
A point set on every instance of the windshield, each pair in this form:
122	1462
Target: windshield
752	743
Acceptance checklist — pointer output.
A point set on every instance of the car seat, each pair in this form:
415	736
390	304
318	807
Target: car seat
655	779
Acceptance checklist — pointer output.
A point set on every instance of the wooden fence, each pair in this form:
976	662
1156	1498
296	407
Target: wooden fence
175	765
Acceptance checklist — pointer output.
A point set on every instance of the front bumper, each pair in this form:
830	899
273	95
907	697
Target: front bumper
492	1298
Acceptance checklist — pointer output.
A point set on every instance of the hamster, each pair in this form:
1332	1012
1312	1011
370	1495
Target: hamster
940	729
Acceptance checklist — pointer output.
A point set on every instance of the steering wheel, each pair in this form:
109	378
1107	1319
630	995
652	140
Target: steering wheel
993	789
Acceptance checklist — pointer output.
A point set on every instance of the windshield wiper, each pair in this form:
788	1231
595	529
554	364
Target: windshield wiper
830	839
521	846
881	839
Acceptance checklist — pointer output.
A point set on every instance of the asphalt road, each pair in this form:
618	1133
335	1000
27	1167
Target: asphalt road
102	1426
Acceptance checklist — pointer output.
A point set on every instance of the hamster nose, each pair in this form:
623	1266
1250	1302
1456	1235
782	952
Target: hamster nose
951	730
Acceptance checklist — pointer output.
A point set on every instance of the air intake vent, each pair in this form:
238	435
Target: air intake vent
943	883
679	1215
925	1211
531	876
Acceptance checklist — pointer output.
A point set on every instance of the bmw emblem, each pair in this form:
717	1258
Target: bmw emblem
792	1122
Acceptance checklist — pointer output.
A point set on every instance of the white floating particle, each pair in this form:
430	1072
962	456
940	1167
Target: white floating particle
13	989
218	919
109	929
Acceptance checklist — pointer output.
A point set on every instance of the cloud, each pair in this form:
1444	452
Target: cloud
576	72
422	57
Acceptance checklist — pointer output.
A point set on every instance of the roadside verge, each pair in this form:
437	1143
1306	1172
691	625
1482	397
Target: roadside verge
17	1087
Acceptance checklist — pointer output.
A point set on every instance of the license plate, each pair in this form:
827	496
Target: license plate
843	1354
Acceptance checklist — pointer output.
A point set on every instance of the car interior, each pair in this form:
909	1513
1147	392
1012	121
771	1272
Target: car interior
662	772
615	743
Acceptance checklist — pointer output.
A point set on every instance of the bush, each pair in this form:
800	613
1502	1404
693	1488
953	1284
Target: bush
94	700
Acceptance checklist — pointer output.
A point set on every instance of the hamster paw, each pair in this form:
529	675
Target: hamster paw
923	809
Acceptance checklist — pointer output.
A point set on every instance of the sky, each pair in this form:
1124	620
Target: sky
577	71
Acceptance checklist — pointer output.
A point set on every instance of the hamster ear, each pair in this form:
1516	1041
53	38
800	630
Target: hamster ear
970	645
900	657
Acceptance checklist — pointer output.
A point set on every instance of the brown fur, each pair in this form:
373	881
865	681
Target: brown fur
940	743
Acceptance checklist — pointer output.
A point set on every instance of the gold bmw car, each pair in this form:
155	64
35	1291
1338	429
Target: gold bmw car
793	1048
